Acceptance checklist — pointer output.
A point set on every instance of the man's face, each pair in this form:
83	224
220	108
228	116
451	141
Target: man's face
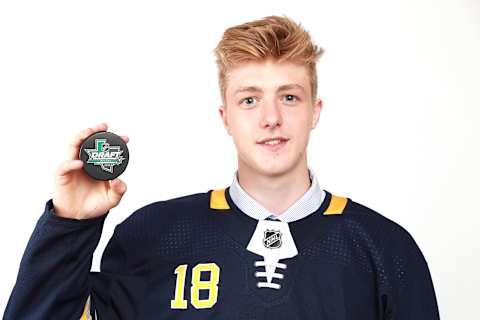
270	100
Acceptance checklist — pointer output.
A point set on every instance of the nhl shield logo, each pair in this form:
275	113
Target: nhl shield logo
272	239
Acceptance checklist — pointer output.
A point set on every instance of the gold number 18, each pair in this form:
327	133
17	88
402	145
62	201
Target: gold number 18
211	285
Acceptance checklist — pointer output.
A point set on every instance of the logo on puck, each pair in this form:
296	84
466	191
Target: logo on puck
105	155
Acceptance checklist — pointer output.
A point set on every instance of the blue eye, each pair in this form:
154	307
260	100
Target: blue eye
291	95
250	98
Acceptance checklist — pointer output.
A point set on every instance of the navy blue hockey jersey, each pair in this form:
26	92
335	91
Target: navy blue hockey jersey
186	258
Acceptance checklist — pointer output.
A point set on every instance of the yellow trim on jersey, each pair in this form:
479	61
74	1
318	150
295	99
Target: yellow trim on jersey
86	311
218	200
336	206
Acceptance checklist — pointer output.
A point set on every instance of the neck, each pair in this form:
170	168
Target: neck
275	192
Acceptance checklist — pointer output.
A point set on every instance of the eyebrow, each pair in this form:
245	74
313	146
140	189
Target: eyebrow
280	88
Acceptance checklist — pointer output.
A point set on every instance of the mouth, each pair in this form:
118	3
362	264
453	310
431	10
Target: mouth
273	144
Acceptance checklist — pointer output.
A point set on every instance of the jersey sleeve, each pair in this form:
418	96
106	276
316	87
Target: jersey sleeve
54	279
412	293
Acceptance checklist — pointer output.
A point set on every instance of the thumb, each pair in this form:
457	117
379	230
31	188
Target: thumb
116	191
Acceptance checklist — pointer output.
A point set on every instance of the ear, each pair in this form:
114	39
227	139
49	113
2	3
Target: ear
223	114
317	108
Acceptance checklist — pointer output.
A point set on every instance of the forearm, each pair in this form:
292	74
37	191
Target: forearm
53	279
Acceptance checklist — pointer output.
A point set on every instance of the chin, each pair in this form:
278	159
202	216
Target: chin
267	166
275	169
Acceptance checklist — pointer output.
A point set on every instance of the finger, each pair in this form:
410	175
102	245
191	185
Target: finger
116	191
78	139
125	139
68	166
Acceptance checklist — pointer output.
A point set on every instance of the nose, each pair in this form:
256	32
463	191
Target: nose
271	115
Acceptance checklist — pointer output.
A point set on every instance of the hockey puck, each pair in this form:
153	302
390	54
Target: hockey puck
104	155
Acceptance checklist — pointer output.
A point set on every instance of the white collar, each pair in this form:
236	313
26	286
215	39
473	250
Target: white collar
307	204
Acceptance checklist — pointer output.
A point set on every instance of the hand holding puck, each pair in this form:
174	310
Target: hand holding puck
93	152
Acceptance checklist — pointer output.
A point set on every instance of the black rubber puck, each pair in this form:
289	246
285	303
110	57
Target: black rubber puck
104	155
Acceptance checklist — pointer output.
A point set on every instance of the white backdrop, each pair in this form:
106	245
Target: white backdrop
399	80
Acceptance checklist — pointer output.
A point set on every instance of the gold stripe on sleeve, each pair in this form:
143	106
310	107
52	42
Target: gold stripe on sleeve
336	206
218	200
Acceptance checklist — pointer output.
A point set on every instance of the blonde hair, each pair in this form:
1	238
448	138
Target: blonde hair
272	37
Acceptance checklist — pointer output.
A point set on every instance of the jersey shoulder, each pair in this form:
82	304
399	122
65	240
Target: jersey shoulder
378	226
165	211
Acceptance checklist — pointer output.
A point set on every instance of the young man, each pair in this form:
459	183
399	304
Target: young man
272	245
